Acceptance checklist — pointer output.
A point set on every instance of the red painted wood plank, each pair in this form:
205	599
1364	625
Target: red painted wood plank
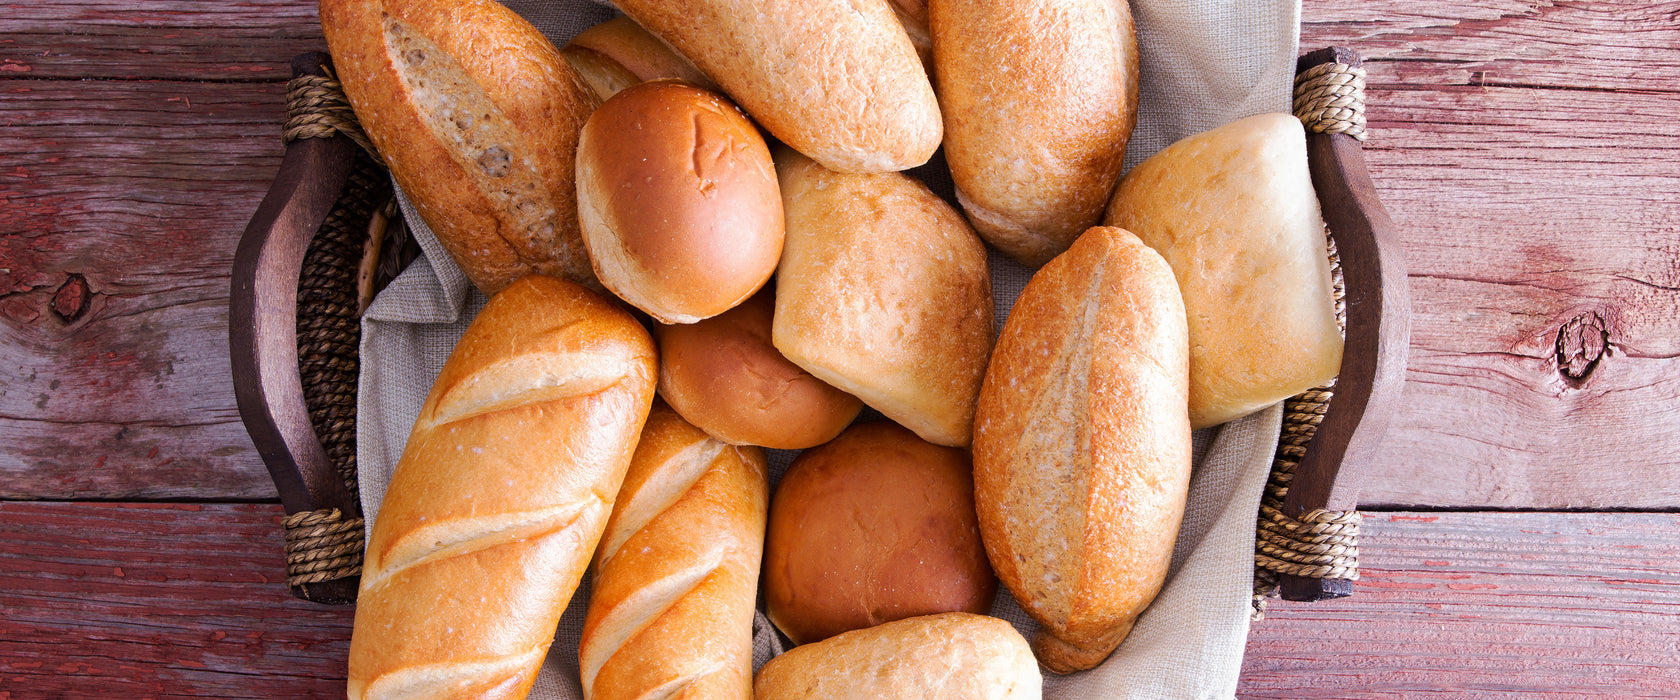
138	191
1554	605
1595	44
178	600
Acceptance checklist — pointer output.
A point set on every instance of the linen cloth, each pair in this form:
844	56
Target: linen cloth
1204	63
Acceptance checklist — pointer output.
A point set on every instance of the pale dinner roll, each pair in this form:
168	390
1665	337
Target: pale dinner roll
875	526
724	376
884	292
678	201
955	656
1234	213
618	53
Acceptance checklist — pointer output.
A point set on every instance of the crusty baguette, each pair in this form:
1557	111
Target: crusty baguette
952	656
1039	98
477	115
500	495
883	292
676	574
618	53
1233	212
1082	444
836	79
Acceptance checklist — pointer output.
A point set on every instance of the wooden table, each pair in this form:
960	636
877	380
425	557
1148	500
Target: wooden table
1522	538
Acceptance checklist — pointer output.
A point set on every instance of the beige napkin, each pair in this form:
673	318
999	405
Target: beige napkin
1205	63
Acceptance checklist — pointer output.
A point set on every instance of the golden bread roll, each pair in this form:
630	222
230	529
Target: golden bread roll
1039	98
913	16
618	53
724	376
678	201
501	493
836	79
1234	212
477	116
676	576
884	292
1082	444
875	526
954	656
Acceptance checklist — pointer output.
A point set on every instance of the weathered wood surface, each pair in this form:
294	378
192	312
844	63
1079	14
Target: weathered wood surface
137	190
1528	213
178	600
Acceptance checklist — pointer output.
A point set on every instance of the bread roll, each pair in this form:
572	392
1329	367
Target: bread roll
678	200
913	16
1234	212
1082	444
676	575
724	376
873	527
477	116
836	79
618	53
884	292
955	656
500	495
1039	98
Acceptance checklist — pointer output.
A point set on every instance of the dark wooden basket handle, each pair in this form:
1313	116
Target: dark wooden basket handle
1378	328
262	330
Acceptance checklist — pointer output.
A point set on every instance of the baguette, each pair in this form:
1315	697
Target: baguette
884	292
953	656
676	575
500	495
477	116
1082	444
1039	98
838	80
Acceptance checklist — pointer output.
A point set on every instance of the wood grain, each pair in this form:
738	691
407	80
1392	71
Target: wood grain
1468	605
1614	45
138	190
126	600
1528	213
1521	211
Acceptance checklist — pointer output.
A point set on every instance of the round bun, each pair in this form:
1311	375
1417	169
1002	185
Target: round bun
724	376
876	526
678	201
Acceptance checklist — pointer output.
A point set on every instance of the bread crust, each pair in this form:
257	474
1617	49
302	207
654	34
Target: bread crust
1082	444
671	613
884	292
724	376
1039	100
678	201
501	493
838	80
877	525
1234	213
477	116
954	656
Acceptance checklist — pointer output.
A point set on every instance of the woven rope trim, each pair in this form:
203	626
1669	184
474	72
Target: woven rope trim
1330	99
1322	544
321	545
317	108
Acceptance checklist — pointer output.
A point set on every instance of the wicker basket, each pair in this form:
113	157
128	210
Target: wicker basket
326	238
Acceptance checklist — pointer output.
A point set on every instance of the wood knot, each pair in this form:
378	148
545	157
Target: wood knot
1580	345
71	299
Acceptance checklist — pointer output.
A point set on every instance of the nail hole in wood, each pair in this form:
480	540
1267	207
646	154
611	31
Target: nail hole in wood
1580	346
71	299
